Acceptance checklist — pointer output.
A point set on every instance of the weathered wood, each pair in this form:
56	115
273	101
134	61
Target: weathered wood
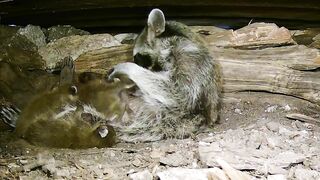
290	70
103	59
286	70
252	36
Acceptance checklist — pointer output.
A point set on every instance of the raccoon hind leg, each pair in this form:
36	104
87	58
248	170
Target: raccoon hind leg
211	105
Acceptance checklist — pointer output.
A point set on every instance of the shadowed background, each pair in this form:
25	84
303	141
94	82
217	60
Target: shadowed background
129	16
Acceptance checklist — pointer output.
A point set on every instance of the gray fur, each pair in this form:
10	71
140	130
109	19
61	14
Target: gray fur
180	92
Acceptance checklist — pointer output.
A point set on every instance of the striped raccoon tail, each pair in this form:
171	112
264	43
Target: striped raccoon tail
148	127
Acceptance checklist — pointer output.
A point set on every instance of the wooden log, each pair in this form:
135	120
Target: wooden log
291	69
287	70
252	36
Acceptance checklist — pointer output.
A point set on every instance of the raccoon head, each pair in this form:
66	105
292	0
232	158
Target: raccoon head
146	52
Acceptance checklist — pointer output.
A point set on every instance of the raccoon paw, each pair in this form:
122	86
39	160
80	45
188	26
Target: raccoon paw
9	115
67	62
119	71
67	71
90	118
123	72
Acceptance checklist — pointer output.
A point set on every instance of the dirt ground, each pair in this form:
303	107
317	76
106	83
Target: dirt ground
253	136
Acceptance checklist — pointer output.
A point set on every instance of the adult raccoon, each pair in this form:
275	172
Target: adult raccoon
179	82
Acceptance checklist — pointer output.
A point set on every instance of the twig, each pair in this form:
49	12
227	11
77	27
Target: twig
303	118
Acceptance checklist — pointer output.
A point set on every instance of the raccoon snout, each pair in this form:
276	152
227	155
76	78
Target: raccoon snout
143	60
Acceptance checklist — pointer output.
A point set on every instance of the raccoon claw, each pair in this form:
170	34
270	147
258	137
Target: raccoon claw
9	115
122	69
113	75
67	71
67	62
121	73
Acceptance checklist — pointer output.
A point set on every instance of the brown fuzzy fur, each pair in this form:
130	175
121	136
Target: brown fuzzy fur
40	124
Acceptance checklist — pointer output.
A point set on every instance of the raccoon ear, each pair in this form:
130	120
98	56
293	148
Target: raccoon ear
73	90
156	24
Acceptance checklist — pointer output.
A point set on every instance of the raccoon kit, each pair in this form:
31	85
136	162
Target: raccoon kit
73	116
178	82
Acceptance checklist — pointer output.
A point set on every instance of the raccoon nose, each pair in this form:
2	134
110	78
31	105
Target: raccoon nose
143	60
